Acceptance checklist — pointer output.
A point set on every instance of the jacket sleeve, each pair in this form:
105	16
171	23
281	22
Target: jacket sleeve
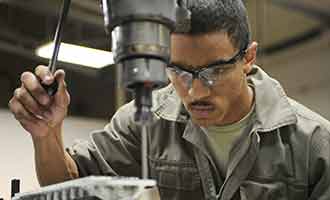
113	151
319	165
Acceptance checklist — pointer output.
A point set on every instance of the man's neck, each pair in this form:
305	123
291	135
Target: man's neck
241	107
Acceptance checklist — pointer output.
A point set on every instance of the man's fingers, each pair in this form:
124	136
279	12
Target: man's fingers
26	99
33	86
43	73
19	111
34	125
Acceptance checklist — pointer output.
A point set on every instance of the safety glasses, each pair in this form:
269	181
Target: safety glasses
210	75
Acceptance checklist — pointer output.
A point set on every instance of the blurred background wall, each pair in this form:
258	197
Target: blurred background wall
294	47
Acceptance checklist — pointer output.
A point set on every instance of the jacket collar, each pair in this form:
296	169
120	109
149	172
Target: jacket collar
273	109
167	105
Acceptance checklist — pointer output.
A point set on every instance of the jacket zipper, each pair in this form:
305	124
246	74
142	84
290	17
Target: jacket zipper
219	196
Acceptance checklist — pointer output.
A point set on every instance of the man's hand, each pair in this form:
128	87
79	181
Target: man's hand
36	111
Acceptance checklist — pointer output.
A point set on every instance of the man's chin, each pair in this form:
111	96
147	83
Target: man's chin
210	120
204	122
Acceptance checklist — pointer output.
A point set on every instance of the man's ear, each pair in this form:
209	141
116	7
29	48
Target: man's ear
250	57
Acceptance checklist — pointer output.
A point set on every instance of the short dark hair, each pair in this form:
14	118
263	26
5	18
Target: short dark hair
229	16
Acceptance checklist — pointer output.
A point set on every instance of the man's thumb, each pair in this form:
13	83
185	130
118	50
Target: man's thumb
62	96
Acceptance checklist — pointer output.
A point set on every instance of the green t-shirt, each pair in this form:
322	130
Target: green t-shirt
220	140
223	137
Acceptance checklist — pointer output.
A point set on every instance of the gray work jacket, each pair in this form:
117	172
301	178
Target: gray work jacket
286	156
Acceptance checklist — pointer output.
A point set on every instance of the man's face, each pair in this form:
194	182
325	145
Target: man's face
227	99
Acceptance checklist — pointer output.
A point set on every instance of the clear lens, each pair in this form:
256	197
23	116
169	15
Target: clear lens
214	75
180	75
209	76
186	77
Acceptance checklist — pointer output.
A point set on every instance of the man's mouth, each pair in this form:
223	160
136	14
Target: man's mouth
201	109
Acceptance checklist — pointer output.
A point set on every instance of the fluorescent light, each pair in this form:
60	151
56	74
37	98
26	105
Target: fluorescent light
77	54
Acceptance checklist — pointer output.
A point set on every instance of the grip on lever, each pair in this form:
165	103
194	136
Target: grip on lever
51	89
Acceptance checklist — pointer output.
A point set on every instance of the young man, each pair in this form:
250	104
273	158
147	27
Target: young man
223	128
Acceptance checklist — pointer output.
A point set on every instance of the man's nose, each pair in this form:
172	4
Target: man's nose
198	90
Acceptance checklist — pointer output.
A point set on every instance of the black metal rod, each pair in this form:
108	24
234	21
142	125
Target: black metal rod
58	35
52	89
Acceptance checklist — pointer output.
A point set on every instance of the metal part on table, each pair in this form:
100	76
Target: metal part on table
96	188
